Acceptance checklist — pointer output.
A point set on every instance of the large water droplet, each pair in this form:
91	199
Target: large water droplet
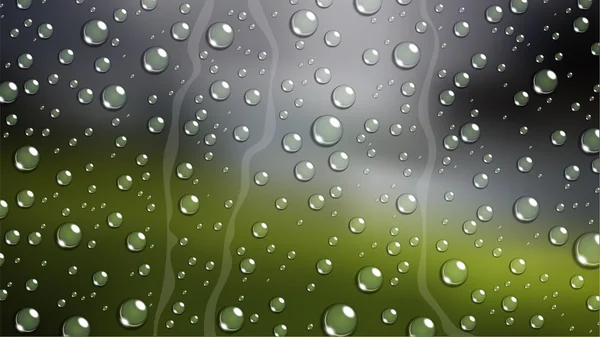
304	170
304	23
133	313
343	97
327	130
95	32
454	272
68	236
494	14
155	60
136	241
517	266
407	55
370	56
421	327
587	250
8	92
189	204
339	161
231	319
220	90
180	31
545	82
470	133
27	320
357	225
526	209
367	7
220	35
369	279
518	6
558	235
291	142
340	320
406	203
468	323
324	266
76	326
590	141
536	321
581	24
27	158
114	97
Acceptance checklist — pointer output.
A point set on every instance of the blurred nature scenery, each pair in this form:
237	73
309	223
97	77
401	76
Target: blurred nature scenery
299	167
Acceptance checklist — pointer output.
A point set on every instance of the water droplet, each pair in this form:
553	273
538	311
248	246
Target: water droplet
587	250
485	213
369	279
322	75
68	236
367	7
27	320
593	302
590	141
327	130
148	5
470	132
467	323
525	164
526	209
339	161
509	303
304	170
558	235
481	180
231	319
25	199
220	90
462	29
536	321
76	326
27	158
581	24
343	97
114	97
333	38
517	266
545	82
454	272
136	242
521	98
251	97
421	327
189	204
406	203
478	296
407	55
519	6
180	31
8	92
100	278
133	313
494	14
155	60
370	56
95	32
572	172
304	23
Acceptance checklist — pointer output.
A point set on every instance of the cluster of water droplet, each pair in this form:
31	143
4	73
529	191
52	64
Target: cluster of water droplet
326	131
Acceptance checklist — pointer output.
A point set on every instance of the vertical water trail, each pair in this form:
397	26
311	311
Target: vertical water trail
171	149
424	182
268	133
